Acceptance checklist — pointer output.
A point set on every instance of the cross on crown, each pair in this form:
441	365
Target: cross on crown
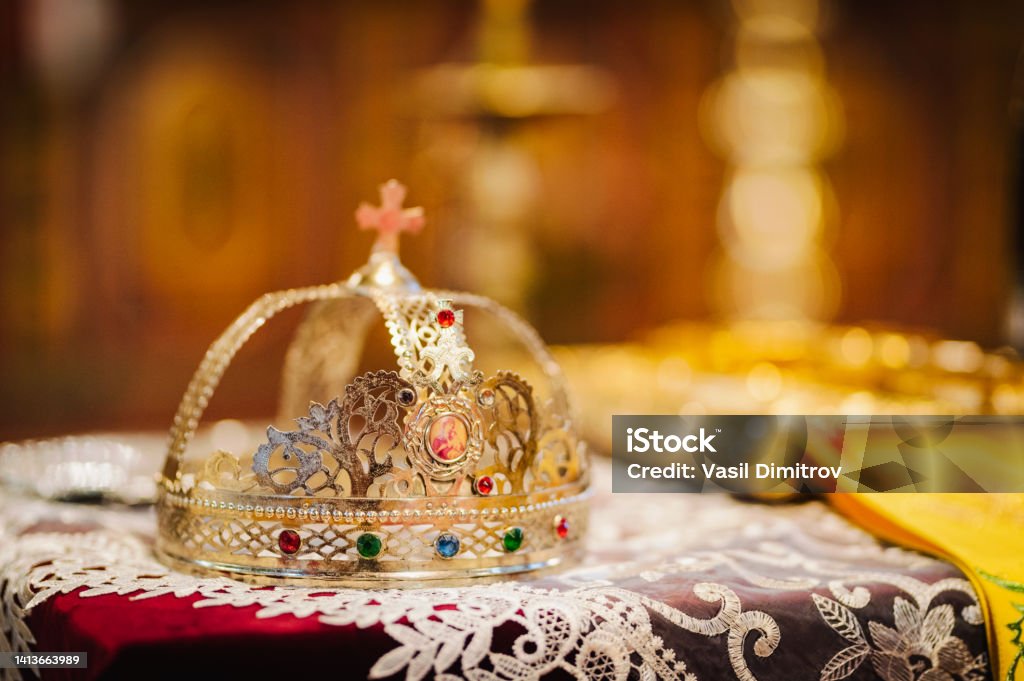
390	219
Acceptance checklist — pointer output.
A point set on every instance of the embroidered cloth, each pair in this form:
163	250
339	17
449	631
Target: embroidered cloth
981	533
673	586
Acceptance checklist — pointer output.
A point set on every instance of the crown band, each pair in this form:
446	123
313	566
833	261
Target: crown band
241	534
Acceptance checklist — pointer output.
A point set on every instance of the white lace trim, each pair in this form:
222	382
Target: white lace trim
584	624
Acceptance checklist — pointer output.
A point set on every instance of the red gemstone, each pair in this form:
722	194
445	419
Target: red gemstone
561	527
445	318
289	541
484	485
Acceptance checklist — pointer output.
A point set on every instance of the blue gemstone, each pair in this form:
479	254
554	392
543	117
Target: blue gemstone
447	545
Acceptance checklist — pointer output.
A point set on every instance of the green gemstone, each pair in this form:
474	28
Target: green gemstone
368	545
513	539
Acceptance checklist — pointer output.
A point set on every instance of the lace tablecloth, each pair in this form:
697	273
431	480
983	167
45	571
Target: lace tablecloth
673	587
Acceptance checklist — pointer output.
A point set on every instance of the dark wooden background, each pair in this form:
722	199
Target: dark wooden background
215	150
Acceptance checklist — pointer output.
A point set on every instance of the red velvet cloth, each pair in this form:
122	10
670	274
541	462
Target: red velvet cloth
165	637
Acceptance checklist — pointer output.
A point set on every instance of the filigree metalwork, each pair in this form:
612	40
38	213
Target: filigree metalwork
511	437
396	453
561	457
352	434
223	470
371	416
450	354
301	453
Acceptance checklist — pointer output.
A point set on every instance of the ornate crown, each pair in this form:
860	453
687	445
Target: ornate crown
430	472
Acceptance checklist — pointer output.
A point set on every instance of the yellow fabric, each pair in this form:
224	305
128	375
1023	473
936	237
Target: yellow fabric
983	534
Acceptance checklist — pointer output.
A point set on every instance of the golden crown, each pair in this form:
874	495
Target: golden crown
430	472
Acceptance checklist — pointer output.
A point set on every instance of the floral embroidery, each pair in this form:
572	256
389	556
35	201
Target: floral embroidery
921	646
640	606
1016	626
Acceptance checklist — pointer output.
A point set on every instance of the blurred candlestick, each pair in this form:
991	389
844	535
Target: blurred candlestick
774	118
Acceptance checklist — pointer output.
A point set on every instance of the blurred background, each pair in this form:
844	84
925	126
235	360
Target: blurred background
643	181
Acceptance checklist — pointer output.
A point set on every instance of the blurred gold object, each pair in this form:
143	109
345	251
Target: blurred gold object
479	116
763	367
773	118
